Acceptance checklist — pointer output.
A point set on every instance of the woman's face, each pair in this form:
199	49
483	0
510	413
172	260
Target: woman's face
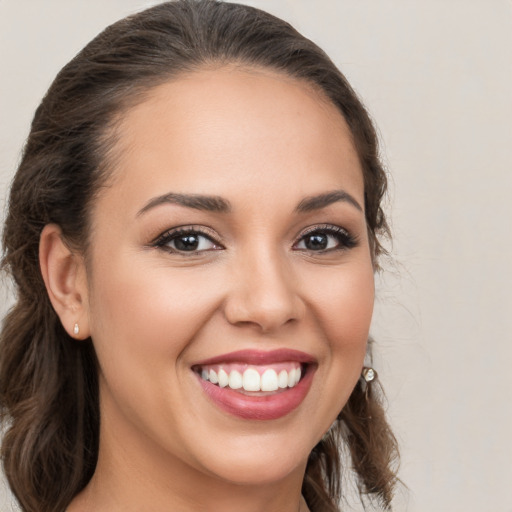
229	250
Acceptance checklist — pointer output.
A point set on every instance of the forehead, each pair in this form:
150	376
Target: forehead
213	127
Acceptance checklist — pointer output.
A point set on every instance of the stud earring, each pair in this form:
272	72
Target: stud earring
368	374
76	329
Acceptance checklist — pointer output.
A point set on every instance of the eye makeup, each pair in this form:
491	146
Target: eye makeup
193	239
326	238
187	240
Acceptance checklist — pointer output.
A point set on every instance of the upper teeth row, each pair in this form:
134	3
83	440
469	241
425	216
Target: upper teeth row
251	380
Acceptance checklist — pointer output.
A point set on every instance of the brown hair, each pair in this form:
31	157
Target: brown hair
48	384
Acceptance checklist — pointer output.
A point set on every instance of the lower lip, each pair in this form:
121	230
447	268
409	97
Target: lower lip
269	407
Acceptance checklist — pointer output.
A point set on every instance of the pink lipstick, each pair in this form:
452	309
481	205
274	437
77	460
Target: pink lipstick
257	385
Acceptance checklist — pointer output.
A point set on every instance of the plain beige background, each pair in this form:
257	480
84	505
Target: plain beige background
437	77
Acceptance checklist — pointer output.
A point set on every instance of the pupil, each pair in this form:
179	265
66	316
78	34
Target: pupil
316	242
187	243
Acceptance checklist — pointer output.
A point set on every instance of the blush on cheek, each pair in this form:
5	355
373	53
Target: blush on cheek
162	306
347	311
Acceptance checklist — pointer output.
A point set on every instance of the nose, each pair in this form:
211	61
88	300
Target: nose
263	293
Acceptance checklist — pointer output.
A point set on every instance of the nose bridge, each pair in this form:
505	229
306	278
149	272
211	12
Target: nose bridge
264	292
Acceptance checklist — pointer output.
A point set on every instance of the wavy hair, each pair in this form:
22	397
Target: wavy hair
49	401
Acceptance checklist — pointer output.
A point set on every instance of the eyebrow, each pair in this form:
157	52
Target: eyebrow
196	201
220	205
320	201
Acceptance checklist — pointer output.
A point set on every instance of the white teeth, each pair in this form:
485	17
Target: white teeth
223	378
235	380
291	378
269	380
213	377
283	379
251	380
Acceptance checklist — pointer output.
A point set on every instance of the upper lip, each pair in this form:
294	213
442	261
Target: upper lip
259	357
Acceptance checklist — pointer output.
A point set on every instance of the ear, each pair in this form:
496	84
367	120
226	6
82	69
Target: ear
65	279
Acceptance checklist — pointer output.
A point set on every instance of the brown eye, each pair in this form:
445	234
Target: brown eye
326	239
186	241
316	242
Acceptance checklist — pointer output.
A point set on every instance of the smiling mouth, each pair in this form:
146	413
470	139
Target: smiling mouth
253	379
256	384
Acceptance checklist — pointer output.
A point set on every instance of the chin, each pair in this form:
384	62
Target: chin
262	470
256	460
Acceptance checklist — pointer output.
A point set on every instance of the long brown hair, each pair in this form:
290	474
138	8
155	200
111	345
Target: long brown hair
48	384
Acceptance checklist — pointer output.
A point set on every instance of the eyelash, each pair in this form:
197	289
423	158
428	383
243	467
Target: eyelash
344	240
163	241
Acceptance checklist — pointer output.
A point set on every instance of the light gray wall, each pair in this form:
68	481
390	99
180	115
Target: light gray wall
437	77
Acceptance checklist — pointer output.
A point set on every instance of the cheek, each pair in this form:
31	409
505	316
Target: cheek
147	315
344	305
146	309
343	309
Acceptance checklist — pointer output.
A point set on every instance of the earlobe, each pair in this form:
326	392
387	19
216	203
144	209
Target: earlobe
64	276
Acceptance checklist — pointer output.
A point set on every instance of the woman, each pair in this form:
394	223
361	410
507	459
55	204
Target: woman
193	231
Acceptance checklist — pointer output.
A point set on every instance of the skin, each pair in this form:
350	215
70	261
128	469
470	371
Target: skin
264	142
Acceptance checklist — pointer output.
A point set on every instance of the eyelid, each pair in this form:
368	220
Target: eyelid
324	227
